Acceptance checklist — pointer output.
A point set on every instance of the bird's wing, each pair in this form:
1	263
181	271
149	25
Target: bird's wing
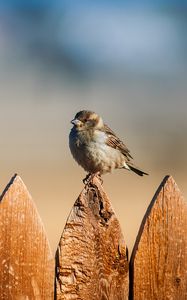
114	142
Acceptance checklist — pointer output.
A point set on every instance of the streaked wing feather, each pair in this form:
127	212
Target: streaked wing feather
114	142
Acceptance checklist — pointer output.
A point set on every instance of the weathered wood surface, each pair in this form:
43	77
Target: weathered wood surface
26	263
158	267
91	260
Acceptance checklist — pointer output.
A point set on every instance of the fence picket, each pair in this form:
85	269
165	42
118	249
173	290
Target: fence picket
91	260
158	266
26	263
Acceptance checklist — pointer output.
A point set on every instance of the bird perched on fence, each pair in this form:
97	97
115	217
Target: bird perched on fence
96	147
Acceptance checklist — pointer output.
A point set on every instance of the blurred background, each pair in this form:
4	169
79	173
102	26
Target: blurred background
126	60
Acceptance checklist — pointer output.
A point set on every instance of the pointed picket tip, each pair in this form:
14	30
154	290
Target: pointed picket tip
91	260
7	187
158	263
148	211
26	262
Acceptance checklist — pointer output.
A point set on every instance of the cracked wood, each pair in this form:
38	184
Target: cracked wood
91	260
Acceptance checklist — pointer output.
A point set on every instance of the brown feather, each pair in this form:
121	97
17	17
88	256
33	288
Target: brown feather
114	142
136	169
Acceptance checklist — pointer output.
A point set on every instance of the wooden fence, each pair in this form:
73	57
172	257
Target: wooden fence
91	261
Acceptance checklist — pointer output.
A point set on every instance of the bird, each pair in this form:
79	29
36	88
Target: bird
96	148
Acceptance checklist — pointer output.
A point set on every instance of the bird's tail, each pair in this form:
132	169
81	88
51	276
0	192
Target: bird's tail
136	170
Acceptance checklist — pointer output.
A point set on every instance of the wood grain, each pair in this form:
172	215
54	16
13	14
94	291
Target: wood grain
26	263
91	260
158	267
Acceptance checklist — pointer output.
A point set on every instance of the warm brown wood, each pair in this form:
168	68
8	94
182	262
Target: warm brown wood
158	268
91	260
26	263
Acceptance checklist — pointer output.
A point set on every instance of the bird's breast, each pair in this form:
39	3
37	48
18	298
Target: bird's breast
92	152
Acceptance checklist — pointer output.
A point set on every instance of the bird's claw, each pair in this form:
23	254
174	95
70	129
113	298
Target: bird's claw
89	177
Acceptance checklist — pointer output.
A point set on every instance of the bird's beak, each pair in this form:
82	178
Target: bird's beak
75	122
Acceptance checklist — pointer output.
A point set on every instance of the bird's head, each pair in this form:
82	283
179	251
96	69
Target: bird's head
86	120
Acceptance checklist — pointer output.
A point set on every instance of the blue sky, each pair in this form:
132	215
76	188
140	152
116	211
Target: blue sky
96	2
146	37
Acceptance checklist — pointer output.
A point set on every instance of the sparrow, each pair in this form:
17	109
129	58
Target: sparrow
96	147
